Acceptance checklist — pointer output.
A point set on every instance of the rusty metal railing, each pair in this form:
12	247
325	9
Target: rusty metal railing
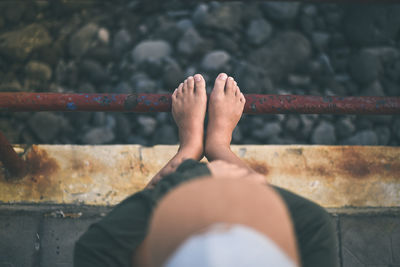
255	104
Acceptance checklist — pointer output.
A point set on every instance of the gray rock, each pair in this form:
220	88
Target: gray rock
269	130
46	126
123	88
307	122
320	39
365	67
258	31
99	135
237	135
11	86
374	89
38	71
281	11
363	138
226	16
345	128
253	79
103	35
166	134
151	50
94	71
372	25
123	127
324	134
190	42
134	139
82	40
282	54
184	24
173	75
215	60
292	124
121	42
19	44
383	133
396	128
99	119
148	124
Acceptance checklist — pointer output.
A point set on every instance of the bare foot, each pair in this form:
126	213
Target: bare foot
225	108
189	103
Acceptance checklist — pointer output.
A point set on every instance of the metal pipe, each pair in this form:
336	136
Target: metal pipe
12	162
255	104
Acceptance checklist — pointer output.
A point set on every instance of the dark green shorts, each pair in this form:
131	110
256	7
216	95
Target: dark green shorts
112	240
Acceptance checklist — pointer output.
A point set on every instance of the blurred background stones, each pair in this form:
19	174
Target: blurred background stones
150	47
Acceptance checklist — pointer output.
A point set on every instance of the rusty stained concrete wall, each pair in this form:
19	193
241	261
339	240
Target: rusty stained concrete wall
333	176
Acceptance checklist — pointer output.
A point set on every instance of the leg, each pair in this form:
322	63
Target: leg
225	109
189	103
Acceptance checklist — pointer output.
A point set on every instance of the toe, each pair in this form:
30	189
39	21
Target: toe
179	90
200	84
185	85
242	98
230	86
220	83
190	84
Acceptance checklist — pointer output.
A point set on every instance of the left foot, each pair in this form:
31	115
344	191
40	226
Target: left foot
189	103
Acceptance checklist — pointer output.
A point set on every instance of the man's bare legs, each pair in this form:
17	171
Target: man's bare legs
189	103
225	109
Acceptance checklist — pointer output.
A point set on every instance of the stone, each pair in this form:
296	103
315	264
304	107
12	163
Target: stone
281	11
372	25
320	39
396	128
19	44
143	84
121	42
173	75
46	125
184	24
148	124
252	79
324	134
166	134
103	35
93	71
258	31
363	138
190	42
282	54
123	88
123	127
11	86
151	50
364	67
215	60
269	130
38	71
237	135
374	89
345	127
99	135
82	40
226	16
383	133
292	123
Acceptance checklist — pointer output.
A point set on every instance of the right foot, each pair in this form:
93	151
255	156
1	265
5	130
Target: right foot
226	104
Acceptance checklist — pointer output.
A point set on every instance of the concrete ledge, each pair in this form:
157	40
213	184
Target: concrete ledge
333	176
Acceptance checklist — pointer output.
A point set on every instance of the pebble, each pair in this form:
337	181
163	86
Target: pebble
345	127
19	44
258	31
98	135
383	133
226	16
94	71
324	134
82	40
151	50
38	71
269	130
166	134
121	42
215	60
104	35
363	138
46	125
173	75
148	124
281	11
364	67
190	42
396	128
292	123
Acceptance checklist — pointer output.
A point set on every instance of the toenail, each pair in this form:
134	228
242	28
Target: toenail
197	78
223	76
230	78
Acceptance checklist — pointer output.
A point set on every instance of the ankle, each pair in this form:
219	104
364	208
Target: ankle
191	151
213	147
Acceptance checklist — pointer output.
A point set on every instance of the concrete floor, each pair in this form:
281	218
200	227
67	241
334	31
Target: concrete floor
44	235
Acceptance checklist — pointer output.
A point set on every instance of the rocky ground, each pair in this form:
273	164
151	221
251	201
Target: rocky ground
148	46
